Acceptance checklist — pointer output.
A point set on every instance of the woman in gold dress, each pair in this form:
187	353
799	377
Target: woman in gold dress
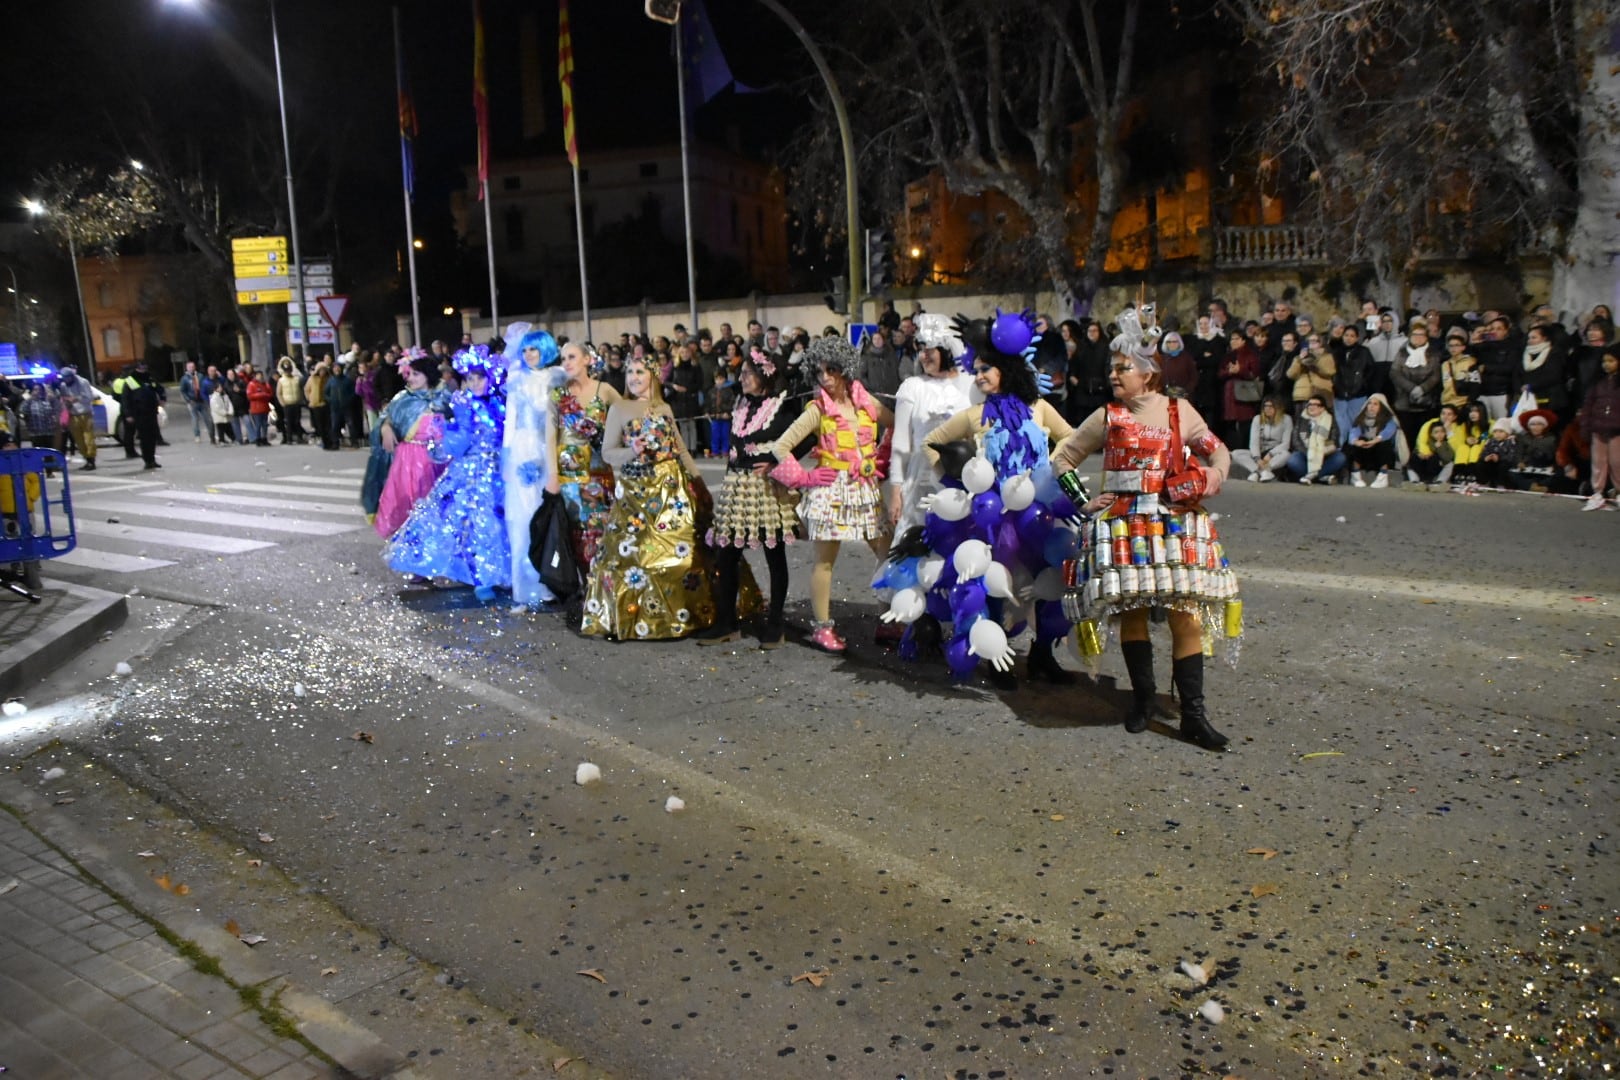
579	408
652	577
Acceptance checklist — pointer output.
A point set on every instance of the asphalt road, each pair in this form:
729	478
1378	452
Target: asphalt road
1404	865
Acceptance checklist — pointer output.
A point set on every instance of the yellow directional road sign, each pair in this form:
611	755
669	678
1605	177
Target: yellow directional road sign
243	244
265	296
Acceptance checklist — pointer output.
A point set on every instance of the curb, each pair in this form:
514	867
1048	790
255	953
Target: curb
32	659
352	1046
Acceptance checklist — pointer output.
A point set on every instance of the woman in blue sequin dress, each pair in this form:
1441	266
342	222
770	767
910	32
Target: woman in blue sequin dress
458	530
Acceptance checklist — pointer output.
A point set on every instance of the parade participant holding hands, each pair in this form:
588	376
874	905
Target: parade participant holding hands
456	531
410	423
652	578
1150	543
579	407
841	500
528	453
923	402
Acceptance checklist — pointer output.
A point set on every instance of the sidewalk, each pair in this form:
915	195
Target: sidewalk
35	639
92	990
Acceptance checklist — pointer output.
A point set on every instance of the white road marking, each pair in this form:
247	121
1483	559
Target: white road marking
221	517
213	496
1402	588
220	545
110	560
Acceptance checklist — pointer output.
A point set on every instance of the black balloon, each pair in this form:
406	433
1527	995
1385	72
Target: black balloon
952	456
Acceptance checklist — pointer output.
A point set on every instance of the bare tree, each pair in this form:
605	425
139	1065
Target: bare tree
1020	97
1420	126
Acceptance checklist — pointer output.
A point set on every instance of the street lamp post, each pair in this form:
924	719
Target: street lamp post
39	209
669	11
16	295
286	156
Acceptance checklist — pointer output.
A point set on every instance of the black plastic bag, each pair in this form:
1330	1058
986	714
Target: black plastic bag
551	547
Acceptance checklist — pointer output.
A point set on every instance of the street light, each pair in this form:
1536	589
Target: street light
286	155
417	244
17	296
39	209
669	11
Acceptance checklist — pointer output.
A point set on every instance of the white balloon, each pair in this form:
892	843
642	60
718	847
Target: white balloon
1049	584
997	582
928	571
1017	492
907	606
952	504
988	640
971	559
978	475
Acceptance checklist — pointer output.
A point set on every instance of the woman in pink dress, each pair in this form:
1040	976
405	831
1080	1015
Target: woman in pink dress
409	423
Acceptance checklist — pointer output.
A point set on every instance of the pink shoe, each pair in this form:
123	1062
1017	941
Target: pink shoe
825	638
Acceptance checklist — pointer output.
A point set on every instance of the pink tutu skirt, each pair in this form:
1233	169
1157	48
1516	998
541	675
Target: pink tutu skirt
409	478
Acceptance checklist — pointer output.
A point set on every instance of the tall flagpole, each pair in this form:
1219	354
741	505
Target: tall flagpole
565	75
481	109
407	125
686	174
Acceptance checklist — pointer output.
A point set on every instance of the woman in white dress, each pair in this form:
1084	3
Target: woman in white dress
923	403
528	449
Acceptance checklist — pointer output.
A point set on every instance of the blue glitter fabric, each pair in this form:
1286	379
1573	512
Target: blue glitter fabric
528	446
458	530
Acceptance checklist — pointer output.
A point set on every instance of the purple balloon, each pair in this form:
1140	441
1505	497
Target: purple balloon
1050	622
1010	334
1008	547
968	601
960	661
986	509
938	603
1034	524
1062	507
943	536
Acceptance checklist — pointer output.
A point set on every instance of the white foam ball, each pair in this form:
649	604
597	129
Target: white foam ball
978	476
1211	1010
952	504
908	605
673	804
928	571
997	582
122	668
1195	972
971	559
1017	492
298	690
587	773
988	639
15	708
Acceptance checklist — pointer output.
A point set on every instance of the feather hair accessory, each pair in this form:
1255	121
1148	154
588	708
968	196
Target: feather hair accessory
935	332
1138	337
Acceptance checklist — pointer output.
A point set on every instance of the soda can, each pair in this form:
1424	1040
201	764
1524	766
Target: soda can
1189	549
1234	618
1104	554
1156	525
1181	581
1156	550
1127	581
1093	592
1118	529
1139	550
1138	526
1110	585
1122	550
1163	583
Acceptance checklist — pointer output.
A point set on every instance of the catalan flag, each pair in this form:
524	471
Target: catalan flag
480	97
565	75
407	124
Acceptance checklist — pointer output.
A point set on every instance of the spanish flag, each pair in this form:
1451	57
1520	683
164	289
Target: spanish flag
565	75
480	97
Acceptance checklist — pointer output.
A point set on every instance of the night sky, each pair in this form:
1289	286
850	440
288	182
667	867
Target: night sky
77	75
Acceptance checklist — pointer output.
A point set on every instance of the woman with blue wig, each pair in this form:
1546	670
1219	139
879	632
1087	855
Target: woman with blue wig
528	454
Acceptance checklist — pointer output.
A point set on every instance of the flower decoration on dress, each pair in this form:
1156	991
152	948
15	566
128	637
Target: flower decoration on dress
761	360
636	577
476	360
683	616
642	629
682	549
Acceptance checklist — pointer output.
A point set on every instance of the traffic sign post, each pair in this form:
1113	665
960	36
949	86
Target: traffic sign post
261	269
333	308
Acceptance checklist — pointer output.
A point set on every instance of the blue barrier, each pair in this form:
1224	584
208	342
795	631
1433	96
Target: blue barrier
36	509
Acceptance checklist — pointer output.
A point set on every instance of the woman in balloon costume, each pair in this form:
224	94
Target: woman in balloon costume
988	557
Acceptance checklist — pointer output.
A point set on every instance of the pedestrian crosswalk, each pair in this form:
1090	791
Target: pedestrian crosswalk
126	526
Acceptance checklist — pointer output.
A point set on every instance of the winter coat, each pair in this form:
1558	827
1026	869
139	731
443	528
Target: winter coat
1546	380
289	391
1415	388
1498	360
1601	413
259	393
1244	363
1312	375
219	405
1459	380
1352	377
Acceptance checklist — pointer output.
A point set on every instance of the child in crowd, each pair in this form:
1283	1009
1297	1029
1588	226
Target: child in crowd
1538	451
1499	456
721	400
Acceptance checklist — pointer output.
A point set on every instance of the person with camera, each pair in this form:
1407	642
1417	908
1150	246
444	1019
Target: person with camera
1312	372
1415	382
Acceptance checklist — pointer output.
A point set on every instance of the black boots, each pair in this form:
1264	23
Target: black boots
1139	664
1189	676
1043	664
